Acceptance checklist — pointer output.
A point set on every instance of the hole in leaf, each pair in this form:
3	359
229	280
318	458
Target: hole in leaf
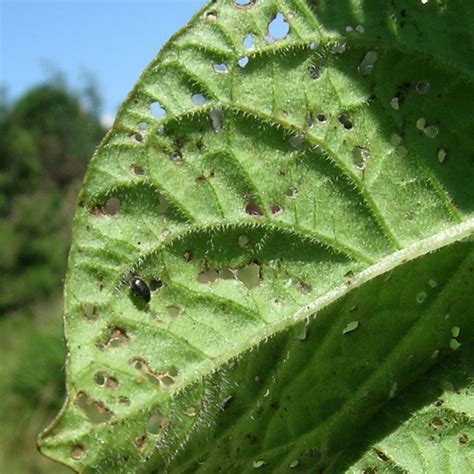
436	423
442	155
352	326
136	137
431	131
242	62
100	378
278	28
78	452
89	311
226	274
176	157
303	287
167	380
360	157
155	424
368	63
217	119
117	338
321	118
292	193
244	3
276	209
422	87
104	380
138	364
315	71
297	140
209	276
140	442
173	371
138	170
173	311
157	110
421	297
381	455
143	126
155	284
253	209
249	275
211	16
198	99
244	241
220	68
396	139
421	123
95	411
249	42
395	103
112	383
112	207
345	121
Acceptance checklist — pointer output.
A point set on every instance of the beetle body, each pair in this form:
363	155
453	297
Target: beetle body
140	289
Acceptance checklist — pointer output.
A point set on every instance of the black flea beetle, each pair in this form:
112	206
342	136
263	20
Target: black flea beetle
140	289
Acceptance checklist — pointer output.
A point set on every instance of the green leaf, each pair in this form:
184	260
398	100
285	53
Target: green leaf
299	203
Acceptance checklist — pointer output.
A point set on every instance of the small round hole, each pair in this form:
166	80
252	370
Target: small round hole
176	157
136	137
321	118
315	71
243	61
100	379
211	16
112	206
244	3
249	42
157	110
137	364
173	371
78	452
198	99
276	209
138	170
253	209
345	121
244	241
155	284
422	87
292	193
220	68
167	381
155	424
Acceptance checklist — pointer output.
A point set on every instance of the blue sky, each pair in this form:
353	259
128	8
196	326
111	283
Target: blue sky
113	40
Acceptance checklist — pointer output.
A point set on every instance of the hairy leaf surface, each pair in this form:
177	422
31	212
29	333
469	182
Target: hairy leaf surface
273	246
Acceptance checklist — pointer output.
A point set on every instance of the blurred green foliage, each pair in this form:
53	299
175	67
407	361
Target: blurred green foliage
47	137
